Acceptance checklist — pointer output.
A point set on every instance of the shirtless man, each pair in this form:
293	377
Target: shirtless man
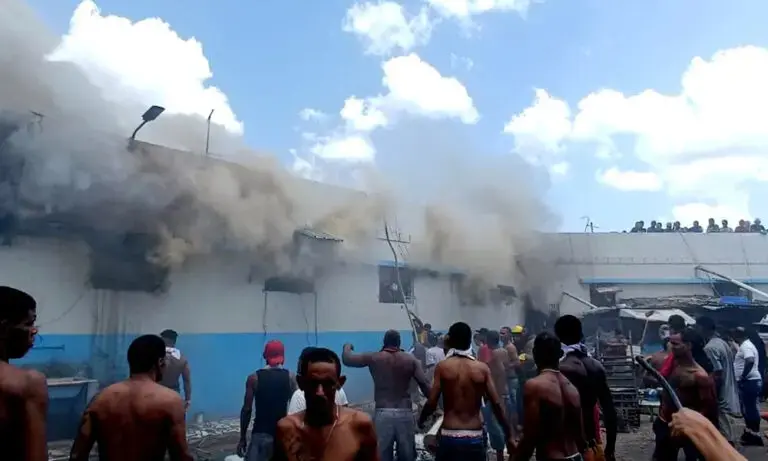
176	366
463	382
23	393
392	370
588	376
696	390
553	424
136	419
324	431
498	365
513	368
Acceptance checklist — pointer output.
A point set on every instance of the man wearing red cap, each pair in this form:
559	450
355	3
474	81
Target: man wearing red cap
270	389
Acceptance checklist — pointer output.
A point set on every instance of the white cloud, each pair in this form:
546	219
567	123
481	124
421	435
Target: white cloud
144	62
541	128
353	148
461	62
413	87
418	88
309	114
464	9
698	211
707	141
560	168
630	180
386	27
361	115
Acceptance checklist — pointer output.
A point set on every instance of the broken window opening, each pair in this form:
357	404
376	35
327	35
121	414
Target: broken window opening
389	291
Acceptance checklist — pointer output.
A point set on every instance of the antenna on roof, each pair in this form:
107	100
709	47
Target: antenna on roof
208	133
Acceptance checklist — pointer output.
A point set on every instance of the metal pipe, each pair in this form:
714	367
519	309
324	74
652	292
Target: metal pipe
577	299
752	290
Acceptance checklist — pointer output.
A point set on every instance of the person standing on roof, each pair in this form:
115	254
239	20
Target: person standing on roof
269	390
176	366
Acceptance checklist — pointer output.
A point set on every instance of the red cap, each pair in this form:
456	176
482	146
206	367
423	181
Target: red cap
274	353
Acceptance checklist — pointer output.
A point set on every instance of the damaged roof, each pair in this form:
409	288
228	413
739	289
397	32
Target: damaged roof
318	235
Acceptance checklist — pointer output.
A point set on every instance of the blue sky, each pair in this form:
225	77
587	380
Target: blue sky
701	154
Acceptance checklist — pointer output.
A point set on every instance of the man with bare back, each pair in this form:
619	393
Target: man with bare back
498	363
176	366
23	393
392	370
324	431
463	382
588	376
552	425
696	390
136	419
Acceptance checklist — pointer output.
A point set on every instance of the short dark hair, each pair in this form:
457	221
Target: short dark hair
460	336
319	354
568	329
706	323
15	304
392	338
676	322
303	357
144	353
739	333
428	326
169	334
547	349
492	337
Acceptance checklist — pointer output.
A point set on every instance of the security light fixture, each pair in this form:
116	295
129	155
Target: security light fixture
150	115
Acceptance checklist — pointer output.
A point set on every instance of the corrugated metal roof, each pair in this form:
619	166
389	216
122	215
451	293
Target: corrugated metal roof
319	235
656	315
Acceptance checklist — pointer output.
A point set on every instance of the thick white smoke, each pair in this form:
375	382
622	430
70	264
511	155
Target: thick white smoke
466	209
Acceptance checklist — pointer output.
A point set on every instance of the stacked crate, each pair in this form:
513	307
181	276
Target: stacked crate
620	374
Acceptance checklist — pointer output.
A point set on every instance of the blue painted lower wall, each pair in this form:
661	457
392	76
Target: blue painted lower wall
220	363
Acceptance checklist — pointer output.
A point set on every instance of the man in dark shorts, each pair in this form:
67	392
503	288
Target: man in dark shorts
137	418
324	431
588	376
269	390
498	364
176	366
553	425
23	393
696	390
392	370
513	367
463	383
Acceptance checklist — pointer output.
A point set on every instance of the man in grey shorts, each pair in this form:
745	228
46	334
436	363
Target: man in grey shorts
392	370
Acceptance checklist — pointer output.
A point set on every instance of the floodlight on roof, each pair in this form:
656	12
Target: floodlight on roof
150	115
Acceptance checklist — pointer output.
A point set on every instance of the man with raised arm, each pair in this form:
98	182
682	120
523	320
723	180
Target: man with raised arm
553	426
463	382
392	370
324	431
137	418
23	393
588	376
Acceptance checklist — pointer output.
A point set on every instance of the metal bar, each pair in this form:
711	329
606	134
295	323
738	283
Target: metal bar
751	289
577	299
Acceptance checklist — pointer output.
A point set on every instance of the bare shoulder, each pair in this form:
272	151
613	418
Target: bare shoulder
290	423
358	420
35	382
165	395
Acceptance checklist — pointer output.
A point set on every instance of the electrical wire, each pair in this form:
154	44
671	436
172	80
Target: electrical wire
399	280
67	311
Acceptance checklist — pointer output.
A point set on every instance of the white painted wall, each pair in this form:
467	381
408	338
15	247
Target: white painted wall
205	288
649	265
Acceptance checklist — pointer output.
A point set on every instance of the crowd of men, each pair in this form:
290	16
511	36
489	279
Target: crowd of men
141	419
720	379
712	227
